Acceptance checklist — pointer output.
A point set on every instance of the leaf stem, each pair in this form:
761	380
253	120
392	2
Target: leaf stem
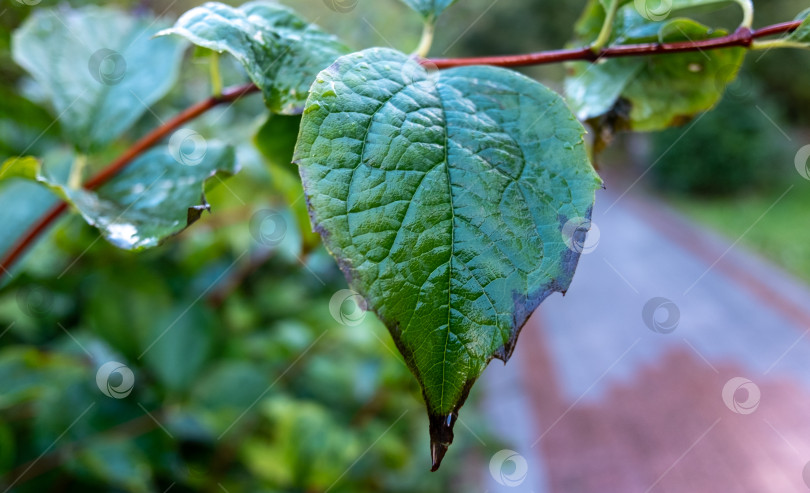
216	77
743	37
777	43
748	13
76	171
607	27
426	41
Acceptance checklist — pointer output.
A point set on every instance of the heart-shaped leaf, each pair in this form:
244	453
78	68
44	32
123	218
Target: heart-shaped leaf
280	51
444	197
98	67
155	197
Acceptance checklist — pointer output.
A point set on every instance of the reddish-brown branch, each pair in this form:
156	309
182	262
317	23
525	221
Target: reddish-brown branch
781	28
742	38
149	140
152	138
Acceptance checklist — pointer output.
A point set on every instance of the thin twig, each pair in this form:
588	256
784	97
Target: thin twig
743	37
149	140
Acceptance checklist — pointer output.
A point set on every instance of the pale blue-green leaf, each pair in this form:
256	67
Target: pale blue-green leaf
98	66
23	202
659	10
154	198
280	51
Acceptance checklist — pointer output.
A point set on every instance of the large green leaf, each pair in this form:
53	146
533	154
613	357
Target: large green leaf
429	9
443	198
153	198
654	92
98	67
281	52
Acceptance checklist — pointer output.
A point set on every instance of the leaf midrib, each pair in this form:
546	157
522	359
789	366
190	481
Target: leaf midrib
446	163
452	242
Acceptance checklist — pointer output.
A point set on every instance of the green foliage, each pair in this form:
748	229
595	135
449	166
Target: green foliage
280	51
21	127
276	141
802	34
653	92
116	462
266	392
23	202
451	191
98	68
722	153
663	9
454	202
157	196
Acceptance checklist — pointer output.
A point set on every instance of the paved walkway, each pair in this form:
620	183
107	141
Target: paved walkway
597	401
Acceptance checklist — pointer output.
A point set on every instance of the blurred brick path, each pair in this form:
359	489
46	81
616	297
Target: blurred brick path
597	402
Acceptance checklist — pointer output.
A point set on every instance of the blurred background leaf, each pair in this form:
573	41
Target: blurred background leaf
254	385
98	68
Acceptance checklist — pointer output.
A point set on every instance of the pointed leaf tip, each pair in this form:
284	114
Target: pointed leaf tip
444	197
441	436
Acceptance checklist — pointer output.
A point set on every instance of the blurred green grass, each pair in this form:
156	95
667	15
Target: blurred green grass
781	235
